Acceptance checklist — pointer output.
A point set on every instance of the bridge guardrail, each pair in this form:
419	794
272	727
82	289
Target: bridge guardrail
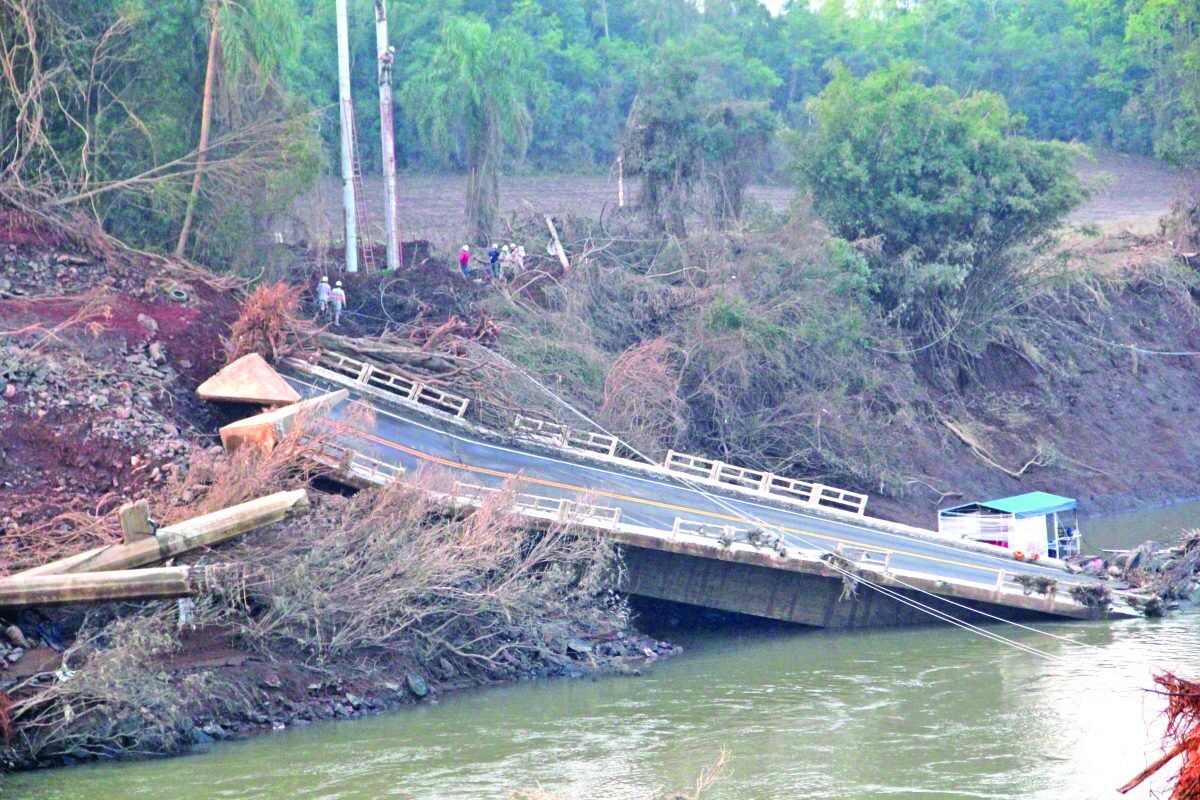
354	464
406	388
765	483
557	435
562	509
726	534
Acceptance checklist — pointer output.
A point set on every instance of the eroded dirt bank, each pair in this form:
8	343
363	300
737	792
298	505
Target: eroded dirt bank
102	350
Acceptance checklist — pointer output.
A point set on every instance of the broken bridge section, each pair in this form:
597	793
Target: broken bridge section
729	541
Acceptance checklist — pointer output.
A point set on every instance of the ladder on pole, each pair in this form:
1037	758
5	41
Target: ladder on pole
360	203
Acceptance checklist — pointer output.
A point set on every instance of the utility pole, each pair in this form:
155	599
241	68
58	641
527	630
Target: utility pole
384	62
347	121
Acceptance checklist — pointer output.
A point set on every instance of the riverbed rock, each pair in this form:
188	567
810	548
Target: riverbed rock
576	645
200	737
148	322
14	635
416	684
214	730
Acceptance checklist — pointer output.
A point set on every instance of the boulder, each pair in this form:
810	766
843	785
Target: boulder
416	684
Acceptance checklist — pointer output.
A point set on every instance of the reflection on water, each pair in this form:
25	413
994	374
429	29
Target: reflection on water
932	712
1127	530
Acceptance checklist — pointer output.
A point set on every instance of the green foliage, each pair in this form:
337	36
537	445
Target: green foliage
944	183
681	132
471	96
552	84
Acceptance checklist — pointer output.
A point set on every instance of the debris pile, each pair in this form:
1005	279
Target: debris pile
1183	736
1160	576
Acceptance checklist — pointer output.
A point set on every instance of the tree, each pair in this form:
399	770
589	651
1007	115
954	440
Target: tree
701	117
470	94
945	185
248	40
1164	35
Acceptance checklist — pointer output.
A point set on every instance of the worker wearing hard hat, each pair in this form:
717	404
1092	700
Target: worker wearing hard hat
338	297
464	261
323	293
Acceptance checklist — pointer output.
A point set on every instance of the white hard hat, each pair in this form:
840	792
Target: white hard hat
324	279
339	283
466	247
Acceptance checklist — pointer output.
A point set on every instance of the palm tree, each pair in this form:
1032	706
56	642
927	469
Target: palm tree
248	41
470	94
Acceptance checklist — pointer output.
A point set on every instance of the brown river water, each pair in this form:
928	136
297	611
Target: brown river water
931	713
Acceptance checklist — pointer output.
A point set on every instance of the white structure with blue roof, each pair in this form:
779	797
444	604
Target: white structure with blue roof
1034	524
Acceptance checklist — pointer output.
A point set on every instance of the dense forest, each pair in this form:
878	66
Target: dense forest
550	86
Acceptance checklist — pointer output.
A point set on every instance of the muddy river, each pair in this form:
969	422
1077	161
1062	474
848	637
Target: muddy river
932	713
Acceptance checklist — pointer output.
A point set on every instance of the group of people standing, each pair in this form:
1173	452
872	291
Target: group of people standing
506	261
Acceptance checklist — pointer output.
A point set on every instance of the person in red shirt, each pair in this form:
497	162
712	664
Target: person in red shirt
464	261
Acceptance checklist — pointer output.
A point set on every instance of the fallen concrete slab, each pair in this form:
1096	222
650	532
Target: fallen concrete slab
250	379
268	428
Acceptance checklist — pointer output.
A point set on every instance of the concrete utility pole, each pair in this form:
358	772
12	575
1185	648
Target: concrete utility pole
384	59
347	121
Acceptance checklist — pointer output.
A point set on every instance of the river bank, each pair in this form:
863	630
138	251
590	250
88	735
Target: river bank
122	357
931	711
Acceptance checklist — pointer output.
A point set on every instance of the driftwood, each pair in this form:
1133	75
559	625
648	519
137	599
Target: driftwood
558	248
172	540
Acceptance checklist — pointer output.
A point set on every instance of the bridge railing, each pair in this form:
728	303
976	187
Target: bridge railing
405	388
765	483
353	464
726	534
561	509
556	435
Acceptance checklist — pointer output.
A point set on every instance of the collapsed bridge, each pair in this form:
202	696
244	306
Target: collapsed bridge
692	530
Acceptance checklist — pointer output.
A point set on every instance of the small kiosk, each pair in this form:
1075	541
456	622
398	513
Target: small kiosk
1035	522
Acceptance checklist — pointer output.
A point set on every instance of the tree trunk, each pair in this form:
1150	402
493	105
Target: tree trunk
205	120
482	187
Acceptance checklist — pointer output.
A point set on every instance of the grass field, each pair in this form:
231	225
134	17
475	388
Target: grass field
1129	193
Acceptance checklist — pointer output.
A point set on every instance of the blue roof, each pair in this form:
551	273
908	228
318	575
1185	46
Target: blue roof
1030	504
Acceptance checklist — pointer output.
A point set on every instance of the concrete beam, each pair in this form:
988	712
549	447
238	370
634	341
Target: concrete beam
250	379
268	428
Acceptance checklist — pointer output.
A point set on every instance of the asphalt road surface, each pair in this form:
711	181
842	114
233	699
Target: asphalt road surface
402	437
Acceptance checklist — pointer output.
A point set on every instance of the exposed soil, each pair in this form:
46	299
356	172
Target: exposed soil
99	359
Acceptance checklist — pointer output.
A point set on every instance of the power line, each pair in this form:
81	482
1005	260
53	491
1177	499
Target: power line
752	519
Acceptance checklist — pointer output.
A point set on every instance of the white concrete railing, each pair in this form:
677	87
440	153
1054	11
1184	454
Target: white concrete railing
725	534
405	388
766	484
354	463
866	557
560	508
557	435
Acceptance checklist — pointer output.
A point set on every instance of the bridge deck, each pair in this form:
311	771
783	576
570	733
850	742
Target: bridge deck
402	437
